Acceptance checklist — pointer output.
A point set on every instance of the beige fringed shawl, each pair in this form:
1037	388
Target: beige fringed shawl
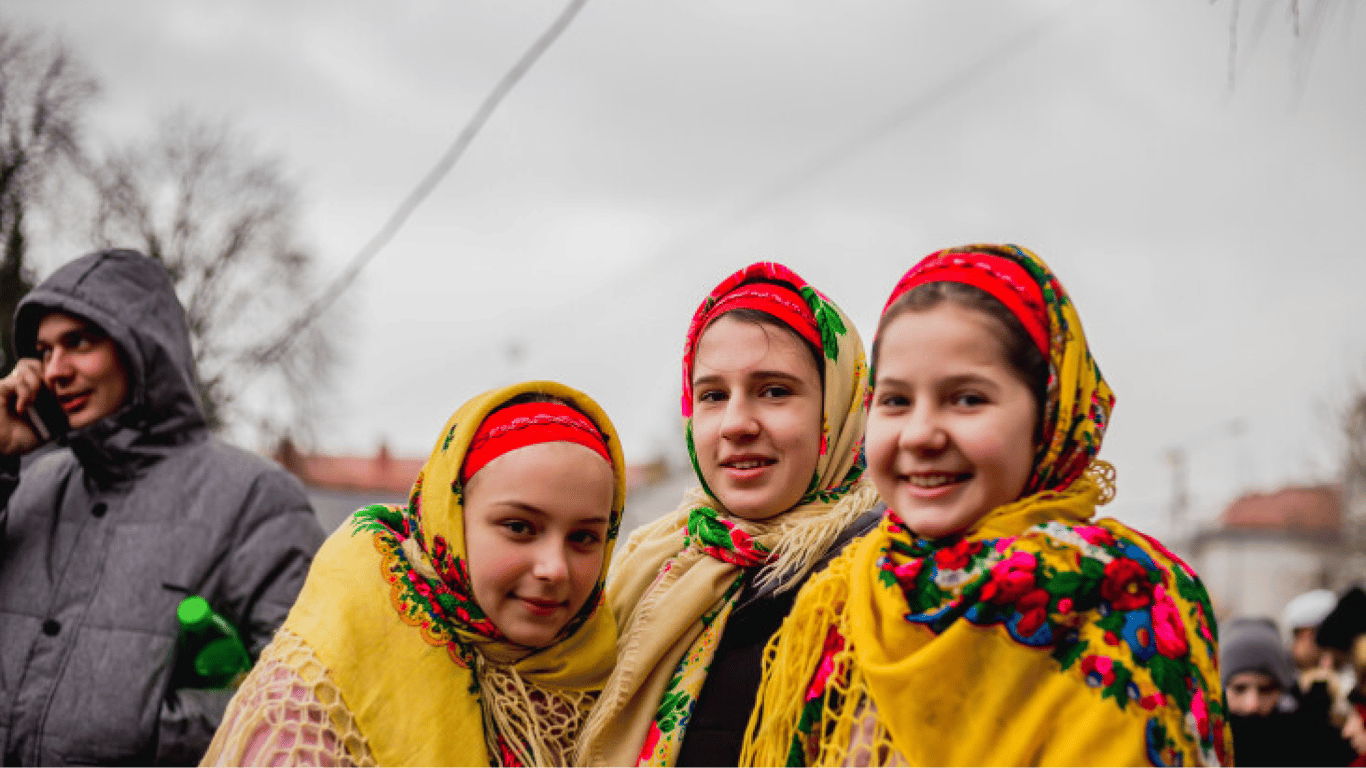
675	581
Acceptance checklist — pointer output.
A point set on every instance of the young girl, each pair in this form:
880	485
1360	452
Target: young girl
773	408
465	628
989	620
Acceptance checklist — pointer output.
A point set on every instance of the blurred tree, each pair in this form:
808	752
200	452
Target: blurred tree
43	96
1354	466
1307	19
222	218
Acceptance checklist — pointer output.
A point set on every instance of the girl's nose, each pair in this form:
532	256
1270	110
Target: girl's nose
550	563
922	431
738	420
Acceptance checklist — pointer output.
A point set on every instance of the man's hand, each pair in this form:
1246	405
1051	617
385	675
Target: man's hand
17	392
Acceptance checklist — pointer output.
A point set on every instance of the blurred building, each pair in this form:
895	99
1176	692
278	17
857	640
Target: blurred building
341	484
1266	548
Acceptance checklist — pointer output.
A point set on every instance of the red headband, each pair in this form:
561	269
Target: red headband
1001	278
518	426
778	300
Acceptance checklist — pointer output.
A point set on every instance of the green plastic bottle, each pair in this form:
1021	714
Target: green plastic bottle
211	653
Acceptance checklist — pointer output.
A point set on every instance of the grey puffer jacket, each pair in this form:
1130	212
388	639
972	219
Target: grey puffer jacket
101	538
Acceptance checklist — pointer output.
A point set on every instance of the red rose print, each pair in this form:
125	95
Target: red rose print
1011	579
957	556
1167	625
651	739
1201	712
1034	609
1099	670
907	571
834	643
740	539
1126	585
1094	534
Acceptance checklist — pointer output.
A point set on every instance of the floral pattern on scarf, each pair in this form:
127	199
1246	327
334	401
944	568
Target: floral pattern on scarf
701	555
919	649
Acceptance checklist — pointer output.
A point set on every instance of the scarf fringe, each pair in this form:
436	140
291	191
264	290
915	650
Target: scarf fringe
537	725
781	701
804	537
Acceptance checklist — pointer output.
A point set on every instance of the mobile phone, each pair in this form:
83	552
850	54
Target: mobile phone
46	416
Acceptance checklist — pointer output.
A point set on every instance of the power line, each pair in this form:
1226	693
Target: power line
268	353
996	57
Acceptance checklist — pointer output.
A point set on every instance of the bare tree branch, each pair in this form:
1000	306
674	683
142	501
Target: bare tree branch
223	220
43	95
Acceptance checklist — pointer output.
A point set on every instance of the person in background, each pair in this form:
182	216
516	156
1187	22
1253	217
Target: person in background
138	506
1273	723
1321	673
1343	635
1301	618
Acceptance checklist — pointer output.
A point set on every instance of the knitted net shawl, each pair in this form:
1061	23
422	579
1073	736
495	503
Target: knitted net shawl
387	659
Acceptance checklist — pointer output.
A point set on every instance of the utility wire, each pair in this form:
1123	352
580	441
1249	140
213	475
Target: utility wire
996	57
267	353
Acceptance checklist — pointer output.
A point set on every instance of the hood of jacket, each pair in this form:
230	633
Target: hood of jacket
131	297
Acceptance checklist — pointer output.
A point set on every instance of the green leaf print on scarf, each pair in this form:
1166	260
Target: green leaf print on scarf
377	518
827	319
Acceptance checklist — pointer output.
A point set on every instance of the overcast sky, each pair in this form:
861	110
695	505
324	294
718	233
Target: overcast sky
1210	234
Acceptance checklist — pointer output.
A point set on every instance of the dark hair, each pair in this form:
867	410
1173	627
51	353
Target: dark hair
533	397
541	397
1024	358
760	317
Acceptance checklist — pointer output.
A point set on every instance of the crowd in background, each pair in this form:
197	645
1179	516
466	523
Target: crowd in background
1295	692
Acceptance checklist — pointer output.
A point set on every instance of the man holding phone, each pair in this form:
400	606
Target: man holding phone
78	368
137	507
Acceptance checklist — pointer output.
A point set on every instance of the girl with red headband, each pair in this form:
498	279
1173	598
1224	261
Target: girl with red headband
774	390
990	619
464	628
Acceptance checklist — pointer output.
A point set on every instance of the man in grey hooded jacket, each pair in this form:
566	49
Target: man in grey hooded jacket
139	506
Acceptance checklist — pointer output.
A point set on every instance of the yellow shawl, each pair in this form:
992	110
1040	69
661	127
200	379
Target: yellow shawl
676	579
1036	637
408	652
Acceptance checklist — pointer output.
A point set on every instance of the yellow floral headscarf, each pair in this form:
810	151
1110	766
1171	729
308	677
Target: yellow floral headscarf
1035	637
388	609
677	579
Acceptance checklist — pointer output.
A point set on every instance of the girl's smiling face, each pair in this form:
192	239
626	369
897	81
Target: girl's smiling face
756	420
536	522
951	429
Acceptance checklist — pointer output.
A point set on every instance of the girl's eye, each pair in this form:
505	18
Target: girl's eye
520	528
893	400
584	538
775	390
969	399
711	396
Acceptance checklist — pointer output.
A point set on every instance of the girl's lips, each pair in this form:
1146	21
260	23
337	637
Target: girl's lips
540	607
743	468
949	483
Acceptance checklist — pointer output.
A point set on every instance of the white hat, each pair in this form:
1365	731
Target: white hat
1309	609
